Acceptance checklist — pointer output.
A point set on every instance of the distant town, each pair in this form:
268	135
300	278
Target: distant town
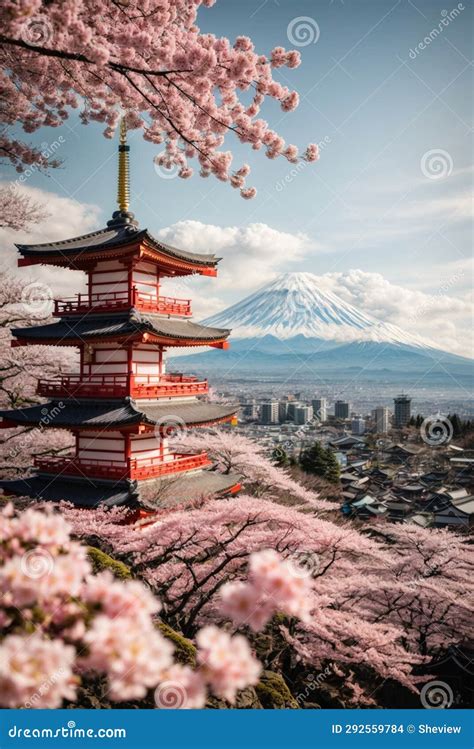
390	462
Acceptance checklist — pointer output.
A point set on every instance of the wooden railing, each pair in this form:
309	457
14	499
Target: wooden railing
117	386
112	301
134	468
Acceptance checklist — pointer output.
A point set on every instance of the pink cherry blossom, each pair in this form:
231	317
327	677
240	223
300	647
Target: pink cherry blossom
35	672
134	656
248	193
226	662
177	85
125	599
242	602
181	688
312	152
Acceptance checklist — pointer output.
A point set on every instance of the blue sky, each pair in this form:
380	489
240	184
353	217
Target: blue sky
371	204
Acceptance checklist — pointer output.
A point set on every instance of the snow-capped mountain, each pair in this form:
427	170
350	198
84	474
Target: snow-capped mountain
295	305
292	326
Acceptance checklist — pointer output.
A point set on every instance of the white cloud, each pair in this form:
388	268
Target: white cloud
67	218
250	256
444	316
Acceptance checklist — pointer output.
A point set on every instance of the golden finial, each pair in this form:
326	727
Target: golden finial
123	191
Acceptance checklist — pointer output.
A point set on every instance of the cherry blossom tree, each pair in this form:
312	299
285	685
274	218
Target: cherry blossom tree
17	210
147	58
371	606
59	623
23	304
426	590
234	453
197	559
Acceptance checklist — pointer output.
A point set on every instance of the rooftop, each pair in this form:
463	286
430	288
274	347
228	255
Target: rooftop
72	329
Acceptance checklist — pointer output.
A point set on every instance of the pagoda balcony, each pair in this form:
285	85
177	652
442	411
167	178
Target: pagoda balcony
118	386
117	470
115	301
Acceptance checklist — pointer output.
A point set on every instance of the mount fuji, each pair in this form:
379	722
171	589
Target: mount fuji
295	305
293	321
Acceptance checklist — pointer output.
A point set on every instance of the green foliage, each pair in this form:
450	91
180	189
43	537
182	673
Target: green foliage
185	652
273	692
320	461
460	427
101	561
280	457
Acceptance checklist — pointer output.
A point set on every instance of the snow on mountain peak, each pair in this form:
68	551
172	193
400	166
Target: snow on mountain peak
297	304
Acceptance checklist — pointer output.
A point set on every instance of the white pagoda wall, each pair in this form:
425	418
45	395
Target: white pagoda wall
146	278
108	277
109	359
101	446
145	446
146	361
106	446
112	277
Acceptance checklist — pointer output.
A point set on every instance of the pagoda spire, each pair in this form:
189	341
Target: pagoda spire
123	216
123	189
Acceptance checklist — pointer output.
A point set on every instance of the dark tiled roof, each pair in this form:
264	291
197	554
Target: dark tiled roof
93	326
172	491
119	413
151	495
85	493
108	239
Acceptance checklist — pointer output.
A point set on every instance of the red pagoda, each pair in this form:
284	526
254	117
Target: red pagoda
122	403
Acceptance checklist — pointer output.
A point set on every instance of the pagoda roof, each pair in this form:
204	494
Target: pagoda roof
152	495
120	414
97	326
104	241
